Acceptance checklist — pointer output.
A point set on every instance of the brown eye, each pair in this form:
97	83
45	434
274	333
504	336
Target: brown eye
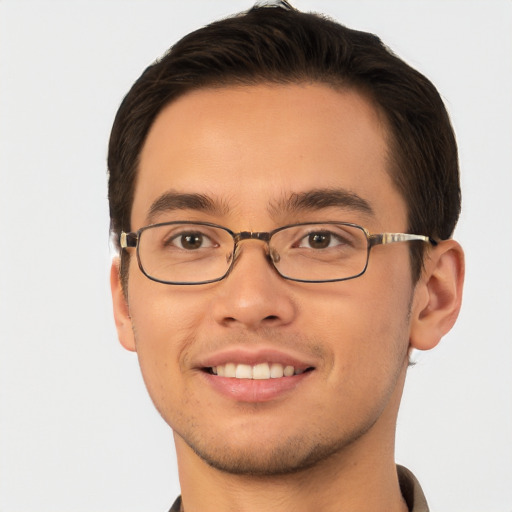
319	240
191	241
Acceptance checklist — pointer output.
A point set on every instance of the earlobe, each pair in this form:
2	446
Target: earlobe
438	295
121	309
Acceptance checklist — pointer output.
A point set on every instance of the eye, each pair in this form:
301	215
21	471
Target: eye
320	240
190	241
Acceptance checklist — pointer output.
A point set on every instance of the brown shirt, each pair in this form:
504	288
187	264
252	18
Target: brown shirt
410	487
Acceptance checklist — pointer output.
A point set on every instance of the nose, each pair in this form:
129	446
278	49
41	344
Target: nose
253	295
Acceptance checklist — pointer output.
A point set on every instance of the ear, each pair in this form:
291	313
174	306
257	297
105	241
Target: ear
121	309
437	295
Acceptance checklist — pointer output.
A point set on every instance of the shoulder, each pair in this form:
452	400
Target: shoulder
411	491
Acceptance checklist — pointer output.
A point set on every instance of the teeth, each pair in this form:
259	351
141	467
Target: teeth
243	371
288	371
261	371
276	370
229	370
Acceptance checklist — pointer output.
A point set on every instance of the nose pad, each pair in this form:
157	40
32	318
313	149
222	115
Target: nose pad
274	255
270	254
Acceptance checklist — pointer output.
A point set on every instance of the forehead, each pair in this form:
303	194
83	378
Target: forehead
251	147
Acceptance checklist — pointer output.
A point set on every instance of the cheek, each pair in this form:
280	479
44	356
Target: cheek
366	324
165	324
162	313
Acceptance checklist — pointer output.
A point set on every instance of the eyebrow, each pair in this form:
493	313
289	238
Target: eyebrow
318	199
170	201
297	202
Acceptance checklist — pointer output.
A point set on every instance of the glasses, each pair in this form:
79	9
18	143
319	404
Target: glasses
190	253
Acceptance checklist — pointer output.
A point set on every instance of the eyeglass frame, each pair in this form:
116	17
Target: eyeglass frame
131	240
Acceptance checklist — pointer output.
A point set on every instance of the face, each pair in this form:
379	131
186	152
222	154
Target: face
251	150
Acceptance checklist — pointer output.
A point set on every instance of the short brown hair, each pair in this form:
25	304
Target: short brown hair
283	45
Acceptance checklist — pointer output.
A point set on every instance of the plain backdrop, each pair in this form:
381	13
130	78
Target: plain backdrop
77	430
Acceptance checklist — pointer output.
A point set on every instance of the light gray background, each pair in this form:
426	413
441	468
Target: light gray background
77	431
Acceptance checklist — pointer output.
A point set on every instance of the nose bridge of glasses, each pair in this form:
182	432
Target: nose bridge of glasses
252	235
263	236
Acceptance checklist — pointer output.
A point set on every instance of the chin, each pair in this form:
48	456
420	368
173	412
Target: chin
287	456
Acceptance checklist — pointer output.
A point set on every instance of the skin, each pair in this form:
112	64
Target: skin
328	443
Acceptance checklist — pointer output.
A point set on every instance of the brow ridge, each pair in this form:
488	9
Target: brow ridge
172	200
297	202
318	199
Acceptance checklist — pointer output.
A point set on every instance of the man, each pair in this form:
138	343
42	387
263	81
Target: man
253	170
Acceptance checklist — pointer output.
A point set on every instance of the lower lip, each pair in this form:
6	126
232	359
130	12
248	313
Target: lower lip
254	390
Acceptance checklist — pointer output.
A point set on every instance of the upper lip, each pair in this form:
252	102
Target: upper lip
254	356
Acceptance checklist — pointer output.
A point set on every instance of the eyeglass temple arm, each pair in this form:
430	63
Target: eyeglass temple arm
128	240
389	238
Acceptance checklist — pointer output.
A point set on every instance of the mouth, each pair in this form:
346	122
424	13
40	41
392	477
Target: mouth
255	374
260	371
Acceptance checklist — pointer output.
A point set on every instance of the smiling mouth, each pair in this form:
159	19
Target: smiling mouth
261	371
